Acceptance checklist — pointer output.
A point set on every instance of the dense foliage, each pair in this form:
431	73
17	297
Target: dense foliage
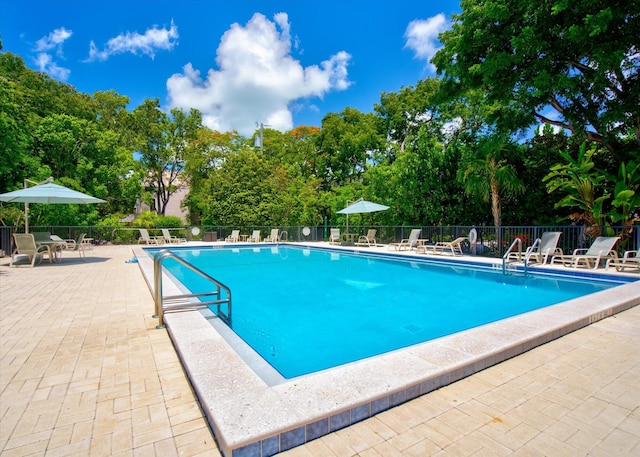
453	150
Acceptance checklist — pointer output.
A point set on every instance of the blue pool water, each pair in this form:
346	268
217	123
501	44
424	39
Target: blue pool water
304	310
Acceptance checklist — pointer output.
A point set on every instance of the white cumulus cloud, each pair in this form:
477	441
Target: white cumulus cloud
46	64
152	40
54	40
47	45
422	36
257	79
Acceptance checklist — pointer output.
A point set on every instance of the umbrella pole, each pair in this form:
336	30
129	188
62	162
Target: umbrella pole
26	204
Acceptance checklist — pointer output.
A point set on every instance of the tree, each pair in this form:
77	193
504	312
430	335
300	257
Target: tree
14	135
163	142
207	153
486	172
539	154
581	183
345	143
49	129
112	114
89	159
579	58
602	198
239	191
404	113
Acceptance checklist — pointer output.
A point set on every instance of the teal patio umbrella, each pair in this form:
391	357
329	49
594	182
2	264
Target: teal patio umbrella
361	206
46	192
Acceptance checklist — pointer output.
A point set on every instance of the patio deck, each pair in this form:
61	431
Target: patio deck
83	371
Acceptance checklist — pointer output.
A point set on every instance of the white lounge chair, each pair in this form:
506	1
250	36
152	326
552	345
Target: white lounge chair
148	239
234	237
408	243
335	237
274	237
369	239
543	249
455	247
255	237
25	245
601	249
630	260
168	238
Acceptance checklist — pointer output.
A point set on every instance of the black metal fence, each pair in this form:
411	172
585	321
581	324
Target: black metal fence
490	241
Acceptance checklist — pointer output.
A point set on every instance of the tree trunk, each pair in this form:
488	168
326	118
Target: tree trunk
496	210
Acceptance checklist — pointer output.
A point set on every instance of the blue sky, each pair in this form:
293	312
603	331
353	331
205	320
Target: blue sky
282	63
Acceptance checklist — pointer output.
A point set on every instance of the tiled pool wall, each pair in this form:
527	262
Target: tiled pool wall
280	439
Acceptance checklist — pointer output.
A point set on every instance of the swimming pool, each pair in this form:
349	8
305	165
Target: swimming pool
252	416
305	310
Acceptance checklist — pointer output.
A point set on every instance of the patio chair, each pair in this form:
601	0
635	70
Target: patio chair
335	237
630	260
79	246
455	247
168	238
255	237
544	248
25	245
57	245
274	237
148	239
41	236
234	237
369	239
64	243
601	249
408	243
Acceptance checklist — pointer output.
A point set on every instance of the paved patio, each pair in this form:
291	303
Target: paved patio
83	371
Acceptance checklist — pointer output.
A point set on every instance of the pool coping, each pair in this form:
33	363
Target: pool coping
251	418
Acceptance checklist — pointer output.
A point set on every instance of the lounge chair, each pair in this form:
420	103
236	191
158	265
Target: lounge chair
335	237
601	249
630	260
168	238
408	243
234	237
255	237
274	237
543	249
25	245
148	239
455	247
369	239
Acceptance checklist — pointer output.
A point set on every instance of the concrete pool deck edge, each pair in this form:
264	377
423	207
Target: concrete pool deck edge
250	418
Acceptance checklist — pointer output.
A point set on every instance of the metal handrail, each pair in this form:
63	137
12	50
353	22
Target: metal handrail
505	257
185	301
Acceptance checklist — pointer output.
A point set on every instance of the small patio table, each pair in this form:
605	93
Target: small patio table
56	250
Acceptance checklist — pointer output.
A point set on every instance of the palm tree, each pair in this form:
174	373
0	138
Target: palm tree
486	173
